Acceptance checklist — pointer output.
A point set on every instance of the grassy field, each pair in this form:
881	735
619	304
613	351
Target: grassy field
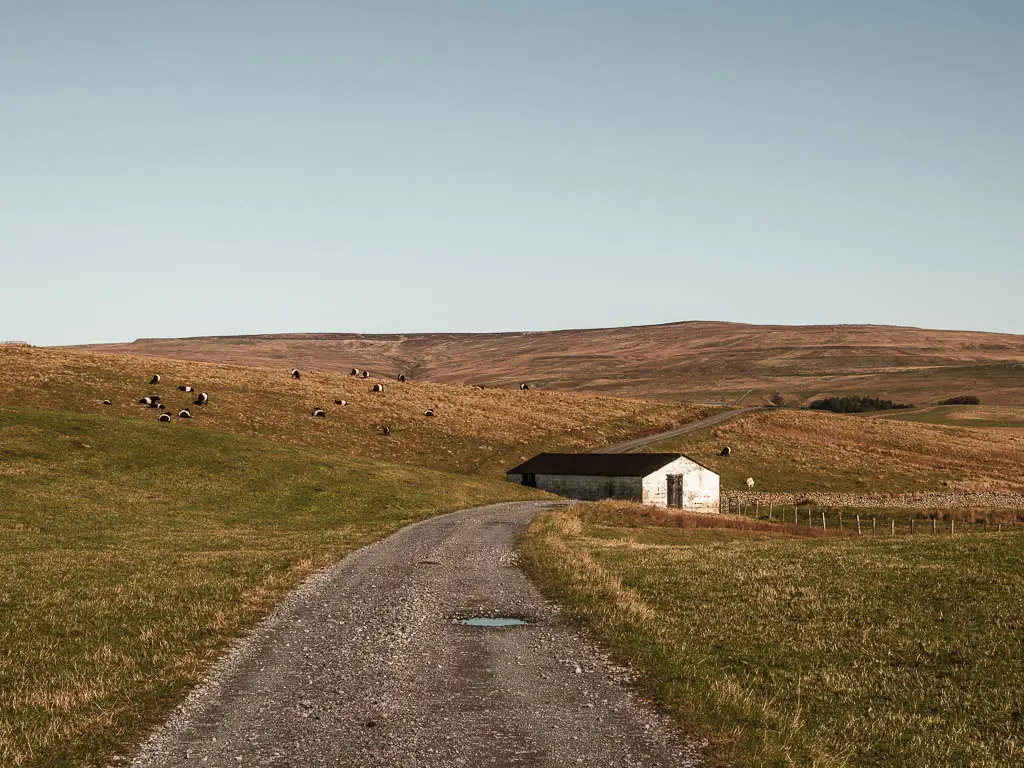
474	432
132	551
801	451
788	648
995	416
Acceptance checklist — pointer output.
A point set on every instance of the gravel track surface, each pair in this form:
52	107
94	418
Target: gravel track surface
367	665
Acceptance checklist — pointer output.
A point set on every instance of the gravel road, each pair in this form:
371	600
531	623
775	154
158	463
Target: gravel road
366	665
642	442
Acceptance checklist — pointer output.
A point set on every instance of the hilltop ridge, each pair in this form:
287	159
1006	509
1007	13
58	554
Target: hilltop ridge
695	360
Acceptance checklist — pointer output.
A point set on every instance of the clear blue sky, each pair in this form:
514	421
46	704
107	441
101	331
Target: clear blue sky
186	168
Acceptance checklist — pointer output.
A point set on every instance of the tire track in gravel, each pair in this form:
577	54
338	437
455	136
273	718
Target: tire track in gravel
366	665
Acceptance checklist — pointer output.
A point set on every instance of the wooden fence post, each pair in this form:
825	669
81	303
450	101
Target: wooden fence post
951	524
858	525
911	526
873	530
823	521
892	524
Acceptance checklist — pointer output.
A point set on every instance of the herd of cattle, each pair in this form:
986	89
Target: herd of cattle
202	398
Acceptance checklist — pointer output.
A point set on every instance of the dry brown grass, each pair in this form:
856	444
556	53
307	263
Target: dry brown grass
479	432
627	515
786	450
696	361
1002	416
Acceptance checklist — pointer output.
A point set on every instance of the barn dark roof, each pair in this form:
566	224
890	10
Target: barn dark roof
603	464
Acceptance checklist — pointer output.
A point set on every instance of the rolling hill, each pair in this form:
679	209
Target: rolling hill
693	361
480	432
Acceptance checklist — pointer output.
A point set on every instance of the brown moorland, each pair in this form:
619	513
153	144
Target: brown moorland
694	361
473	431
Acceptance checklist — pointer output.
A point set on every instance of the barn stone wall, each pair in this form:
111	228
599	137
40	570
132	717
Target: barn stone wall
588	487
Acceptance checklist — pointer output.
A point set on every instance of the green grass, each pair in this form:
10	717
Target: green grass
131	552
787	648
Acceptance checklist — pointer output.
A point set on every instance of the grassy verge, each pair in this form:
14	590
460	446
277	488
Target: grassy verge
131	552
792	648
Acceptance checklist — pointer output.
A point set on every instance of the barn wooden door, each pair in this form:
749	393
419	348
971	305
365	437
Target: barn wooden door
675	490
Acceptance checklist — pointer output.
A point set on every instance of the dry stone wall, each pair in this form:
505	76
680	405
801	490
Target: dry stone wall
948	500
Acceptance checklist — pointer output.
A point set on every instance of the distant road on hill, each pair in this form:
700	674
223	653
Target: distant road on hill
642	442
693	361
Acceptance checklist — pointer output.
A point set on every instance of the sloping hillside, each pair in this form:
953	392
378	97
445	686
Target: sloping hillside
131	555
473	431
694	361
802	451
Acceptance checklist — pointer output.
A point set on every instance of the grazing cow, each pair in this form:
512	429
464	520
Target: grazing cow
146	401
161	406
377	388
750	483
155	404
185	387
164	417
184	413
203	399
401	377
341	402
354	372
478	387
155	379
385	431
320	413
726	451
428	412
296	374
107	402
365	374
524	387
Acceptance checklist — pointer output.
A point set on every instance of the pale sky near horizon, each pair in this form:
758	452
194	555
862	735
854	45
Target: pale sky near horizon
191	168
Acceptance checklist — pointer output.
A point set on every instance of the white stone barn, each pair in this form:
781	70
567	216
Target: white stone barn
659	479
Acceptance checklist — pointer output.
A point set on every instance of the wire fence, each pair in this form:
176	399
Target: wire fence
880	522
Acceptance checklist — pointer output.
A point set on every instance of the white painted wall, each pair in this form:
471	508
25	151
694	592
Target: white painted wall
700	486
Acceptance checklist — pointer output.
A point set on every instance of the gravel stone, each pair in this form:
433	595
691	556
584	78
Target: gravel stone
367	665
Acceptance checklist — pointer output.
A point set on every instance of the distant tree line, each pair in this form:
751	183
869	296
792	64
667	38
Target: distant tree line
856	404
961	400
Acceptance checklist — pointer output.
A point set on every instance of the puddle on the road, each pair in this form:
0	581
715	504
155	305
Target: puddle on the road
487	621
